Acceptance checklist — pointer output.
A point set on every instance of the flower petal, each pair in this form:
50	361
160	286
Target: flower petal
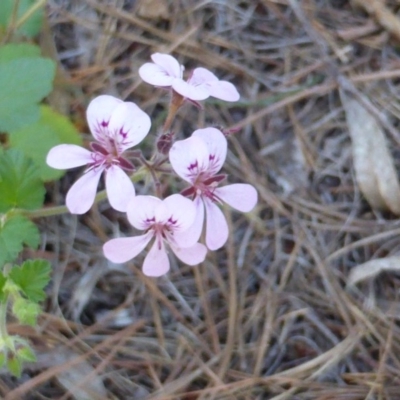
141	211
204	80
181	212
241	196
80	196
189	91
189	158
191	255
201	76
156	262
169	63
223	90
155	75
162	72
216	226
128	125
66	156
217	146
121	250
98	115
191	235
120	189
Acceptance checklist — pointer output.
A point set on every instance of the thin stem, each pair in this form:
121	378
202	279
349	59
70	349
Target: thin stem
60	210
176	102
30	12
12	23
3	320
57	210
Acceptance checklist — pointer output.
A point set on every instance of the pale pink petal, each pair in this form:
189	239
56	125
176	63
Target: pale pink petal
163	72
155	75
141	211
181	212
189	91
216	226
223	90
98	115
241	196
120	189
169	63
128	125
80	196
121	250
161	213
189	158
206	81
156	262
201	76
217	146
191	235
191	255
66	156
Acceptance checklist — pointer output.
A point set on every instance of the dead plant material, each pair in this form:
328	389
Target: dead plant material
383	15
373	163
372	268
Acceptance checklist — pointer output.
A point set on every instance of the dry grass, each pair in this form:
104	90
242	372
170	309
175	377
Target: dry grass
269	316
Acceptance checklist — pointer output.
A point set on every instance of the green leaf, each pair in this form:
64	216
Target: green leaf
23	82
31	27
14	233
37	139
22	50
25	311
26	354
32	277
20	183
14	366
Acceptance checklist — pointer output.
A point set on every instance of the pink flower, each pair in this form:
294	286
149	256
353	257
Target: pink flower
166	221
117	126
198	160
165	71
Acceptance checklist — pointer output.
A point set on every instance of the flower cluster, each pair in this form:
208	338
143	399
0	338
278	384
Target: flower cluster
177	221
165	71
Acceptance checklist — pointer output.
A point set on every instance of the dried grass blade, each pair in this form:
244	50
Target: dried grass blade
372	268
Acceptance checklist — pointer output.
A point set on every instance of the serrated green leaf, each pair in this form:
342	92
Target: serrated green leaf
20	183
25	311
21	50
14	233
31	27
14	366
37	139
3	280
24	82
32	277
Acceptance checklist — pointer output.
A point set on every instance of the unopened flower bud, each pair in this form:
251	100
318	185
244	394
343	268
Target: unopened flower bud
164	142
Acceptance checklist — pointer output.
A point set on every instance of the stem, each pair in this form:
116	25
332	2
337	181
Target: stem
30	12
57	210
12	23
176	102
60	210
3	320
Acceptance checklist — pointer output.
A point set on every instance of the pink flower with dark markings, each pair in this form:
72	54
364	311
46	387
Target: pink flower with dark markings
164	220
198	160
165	71
117	126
